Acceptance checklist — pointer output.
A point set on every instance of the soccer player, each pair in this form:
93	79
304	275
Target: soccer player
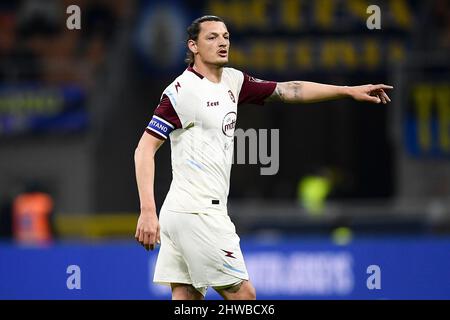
199	244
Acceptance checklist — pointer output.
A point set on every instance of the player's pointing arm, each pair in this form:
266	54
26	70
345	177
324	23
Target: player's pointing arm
307	92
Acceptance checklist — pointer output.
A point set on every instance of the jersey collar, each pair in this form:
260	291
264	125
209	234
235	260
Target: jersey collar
191	69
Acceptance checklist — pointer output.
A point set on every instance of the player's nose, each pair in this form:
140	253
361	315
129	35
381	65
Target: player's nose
223	42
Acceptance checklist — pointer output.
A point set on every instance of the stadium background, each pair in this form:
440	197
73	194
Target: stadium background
359	185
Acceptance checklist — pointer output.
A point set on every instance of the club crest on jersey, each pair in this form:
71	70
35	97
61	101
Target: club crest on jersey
229	123
231	96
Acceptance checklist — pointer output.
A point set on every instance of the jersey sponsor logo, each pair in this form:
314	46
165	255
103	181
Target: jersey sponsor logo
212	103
229	123
231	96
160	126
228	254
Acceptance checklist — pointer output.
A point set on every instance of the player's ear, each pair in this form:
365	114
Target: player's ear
192	45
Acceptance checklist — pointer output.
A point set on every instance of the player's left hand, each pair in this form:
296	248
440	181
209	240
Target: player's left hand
371	93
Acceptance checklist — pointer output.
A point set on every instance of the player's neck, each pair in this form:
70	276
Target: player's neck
211	72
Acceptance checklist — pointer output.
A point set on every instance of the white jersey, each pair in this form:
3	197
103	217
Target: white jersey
200	117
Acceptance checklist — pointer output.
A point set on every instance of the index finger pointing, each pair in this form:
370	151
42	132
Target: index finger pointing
382	86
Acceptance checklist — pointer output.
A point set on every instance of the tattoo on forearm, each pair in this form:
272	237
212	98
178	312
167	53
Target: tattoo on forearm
288	92
297	89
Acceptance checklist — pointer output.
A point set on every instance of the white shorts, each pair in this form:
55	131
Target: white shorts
199	249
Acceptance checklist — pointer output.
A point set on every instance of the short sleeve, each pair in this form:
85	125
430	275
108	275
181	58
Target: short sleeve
255	91
164	120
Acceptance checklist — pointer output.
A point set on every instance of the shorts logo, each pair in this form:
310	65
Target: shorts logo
231	96
228	254
229	123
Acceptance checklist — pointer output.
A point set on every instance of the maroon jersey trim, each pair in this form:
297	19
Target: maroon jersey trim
255	91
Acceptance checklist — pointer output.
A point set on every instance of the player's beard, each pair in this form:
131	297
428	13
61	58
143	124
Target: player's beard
218	64
222	63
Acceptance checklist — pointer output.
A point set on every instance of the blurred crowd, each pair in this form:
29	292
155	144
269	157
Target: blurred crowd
36	47
35	44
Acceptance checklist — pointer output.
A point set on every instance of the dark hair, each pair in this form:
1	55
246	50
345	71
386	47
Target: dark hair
192	34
